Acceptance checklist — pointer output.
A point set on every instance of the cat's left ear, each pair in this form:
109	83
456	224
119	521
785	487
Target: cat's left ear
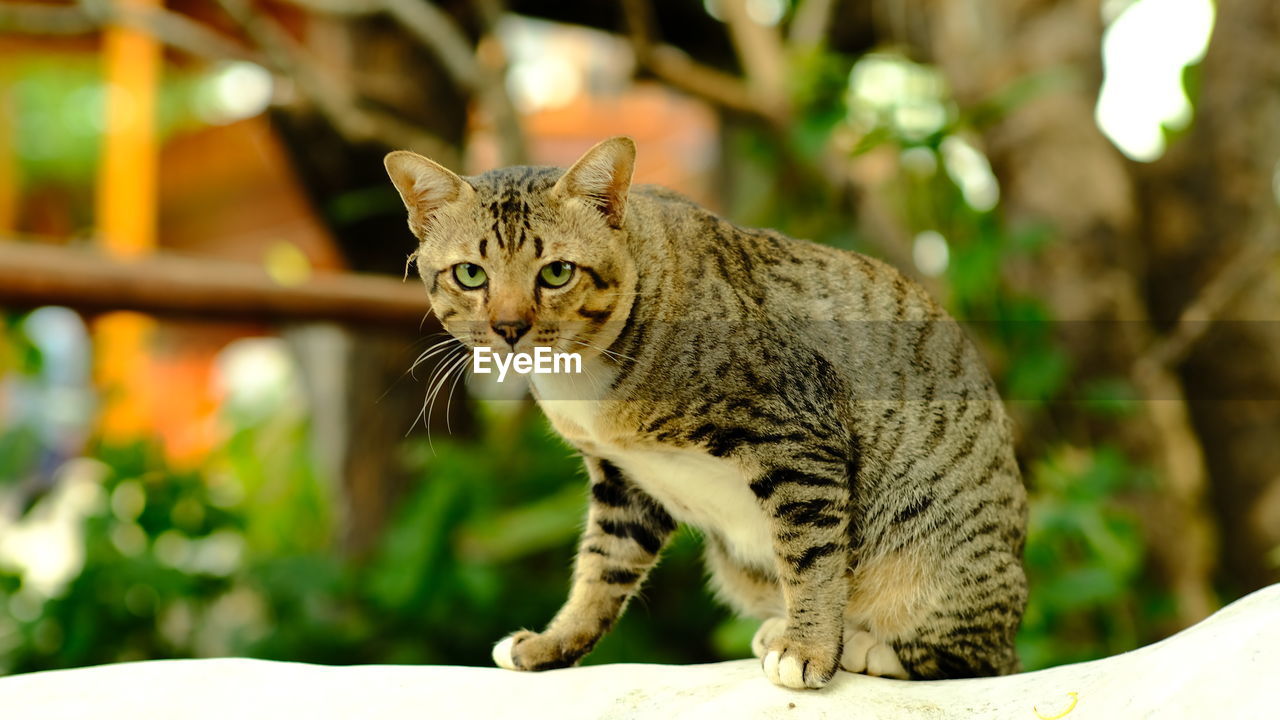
602	178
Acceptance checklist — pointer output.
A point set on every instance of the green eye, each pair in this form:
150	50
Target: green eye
470	275
556	274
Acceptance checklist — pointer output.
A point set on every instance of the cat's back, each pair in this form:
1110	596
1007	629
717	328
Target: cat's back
792	275
873	322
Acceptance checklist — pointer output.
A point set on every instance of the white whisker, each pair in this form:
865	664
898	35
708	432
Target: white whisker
434	390
609	353
414	365
422	414
448	405
595	384
440	347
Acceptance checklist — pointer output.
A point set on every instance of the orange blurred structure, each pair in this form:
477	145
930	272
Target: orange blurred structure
225	191
126	220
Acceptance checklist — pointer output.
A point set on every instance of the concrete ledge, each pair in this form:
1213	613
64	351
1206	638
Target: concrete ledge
1227	666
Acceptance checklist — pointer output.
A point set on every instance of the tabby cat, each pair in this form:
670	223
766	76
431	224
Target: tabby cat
824	424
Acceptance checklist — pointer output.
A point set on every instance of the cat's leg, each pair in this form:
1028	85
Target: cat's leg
890	596
808	514
625	530
751	591
934	613
970	631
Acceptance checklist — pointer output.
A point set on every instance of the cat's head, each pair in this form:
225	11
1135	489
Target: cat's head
524	257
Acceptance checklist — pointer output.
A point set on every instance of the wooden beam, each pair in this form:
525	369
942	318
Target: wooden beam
187	287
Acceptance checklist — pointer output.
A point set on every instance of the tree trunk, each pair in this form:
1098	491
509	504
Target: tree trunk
1210	203
350	188
1057	170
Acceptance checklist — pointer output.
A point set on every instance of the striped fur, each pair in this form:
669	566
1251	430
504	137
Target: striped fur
815	414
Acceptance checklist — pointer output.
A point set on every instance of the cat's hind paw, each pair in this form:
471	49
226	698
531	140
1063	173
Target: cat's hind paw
768	630
794	664
863	653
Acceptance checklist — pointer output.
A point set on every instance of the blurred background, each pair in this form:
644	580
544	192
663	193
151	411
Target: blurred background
210	440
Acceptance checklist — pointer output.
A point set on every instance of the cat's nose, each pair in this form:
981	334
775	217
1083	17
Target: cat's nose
512	330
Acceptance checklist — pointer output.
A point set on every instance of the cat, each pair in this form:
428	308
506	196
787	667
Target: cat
827	427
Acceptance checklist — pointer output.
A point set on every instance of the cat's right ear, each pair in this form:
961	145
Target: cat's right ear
425	186
602	178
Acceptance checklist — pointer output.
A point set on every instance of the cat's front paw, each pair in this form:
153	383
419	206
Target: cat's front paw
792	662
527	650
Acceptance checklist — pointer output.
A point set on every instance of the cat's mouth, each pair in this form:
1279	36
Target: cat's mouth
502	348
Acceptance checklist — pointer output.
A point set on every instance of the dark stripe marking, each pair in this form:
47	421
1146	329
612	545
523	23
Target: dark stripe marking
765	486
614	576
635	531
805	560
596	315
609	494
917	506
596	280
809	512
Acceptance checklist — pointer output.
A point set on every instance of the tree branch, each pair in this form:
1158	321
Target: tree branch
438	32
763	59
511	137
1236	275
173	29
675	68
811	23
42	19
350	8
336	101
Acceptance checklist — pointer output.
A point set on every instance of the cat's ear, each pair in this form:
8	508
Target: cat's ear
602	178
425	186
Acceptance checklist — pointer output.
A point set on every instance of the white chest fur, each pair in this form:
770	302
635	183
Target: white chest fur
704	491
571	405
709	493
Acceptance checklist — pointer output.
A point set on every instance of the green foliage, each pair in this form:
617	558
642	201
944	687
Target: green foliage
19	440
240	558
149	555
1084	560
821	79
58	105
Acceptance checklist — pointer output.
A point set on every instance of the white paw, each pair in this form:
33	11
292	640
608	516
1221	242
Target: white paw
791	672
882	661
771	667
769	629
863	653
856	646
502	653
791	669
